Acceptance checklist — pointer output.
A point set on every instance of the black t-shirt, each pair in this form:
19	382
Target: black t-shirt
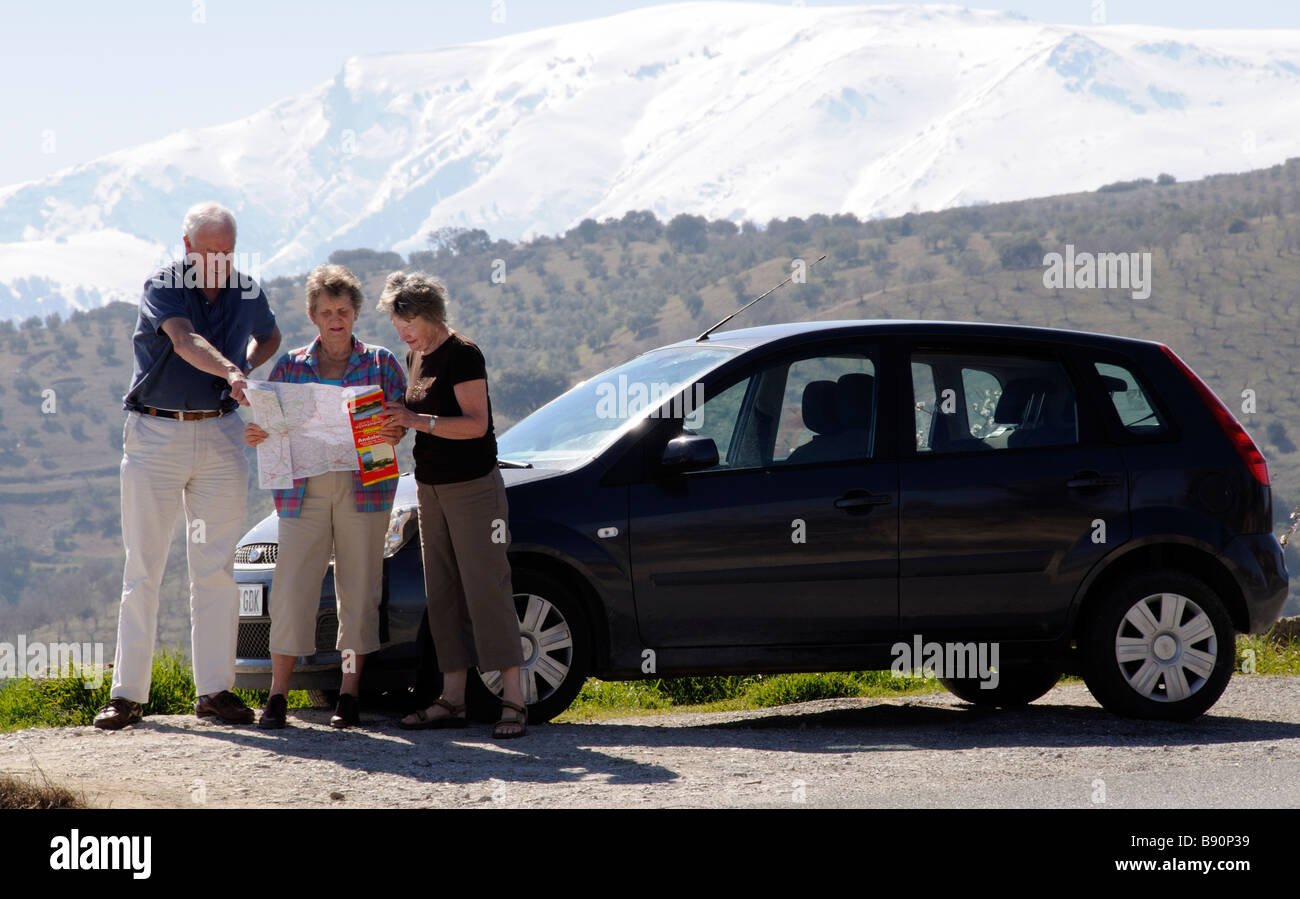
430	390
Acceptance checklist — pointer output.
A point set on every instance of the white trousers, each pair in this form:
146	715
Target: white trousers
168	465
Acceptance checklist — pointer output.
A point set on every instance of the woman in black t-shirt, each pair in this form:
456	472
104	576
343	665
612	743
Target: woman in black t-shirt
463	513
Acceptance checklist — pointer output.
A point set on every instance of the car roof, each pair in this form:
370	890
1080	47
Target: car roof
750	338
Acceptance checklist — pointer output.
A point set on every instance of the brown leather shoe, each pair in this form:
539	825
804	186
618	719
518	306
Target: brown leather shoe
225	706
276	713
118	714
348	711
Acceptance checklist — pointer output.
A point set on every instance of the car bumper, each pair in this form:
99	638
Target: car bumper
1259	566
321	670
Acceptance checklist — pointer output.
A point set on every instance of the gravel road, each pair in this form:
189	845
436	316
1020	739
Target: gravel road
923	752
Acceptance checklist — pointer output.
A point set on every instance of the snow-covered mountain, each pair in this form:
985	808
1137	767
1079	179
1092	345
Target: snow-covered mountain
724	110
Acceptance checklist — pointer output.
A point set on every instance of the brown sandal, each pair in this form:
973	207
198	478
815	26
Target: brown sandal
519	720
455	717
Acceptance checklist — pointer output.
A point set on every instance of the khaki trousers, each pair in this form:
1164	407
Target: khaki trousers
168	465
328	521
463	541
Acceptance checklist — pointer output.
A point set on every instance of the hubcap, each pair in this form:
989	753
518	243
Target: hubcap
1166	647
547	647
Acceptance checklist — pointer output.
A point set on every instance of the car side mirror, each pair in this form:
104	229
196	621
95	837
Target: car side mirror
690	452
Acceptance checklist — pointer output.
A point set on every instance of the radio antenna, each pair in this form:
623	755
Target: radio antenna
705	335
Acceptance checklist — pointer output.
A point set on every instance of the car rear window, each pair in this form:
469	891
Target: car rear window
1132	404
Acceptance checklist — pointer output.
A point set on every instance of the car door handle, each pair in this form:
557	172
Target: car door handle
857	499
1084	480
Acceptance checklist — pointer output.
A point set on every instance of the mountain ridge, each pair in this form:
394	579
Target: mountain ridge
730	111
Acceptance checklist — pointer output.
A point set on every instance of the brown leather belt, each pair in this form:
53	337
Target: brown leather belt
182	416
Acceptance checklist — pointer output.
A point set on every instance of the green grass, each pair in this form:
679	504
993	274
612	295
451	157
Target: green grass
1268	656
604	699
69	702
601	699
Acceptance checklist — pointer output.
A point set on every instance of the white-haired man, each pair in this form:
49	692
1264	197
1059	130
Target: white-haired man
202	327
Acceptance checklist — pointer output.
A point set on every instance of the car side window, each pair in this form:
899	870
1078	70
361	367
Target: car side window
923	400
1136	412
983	402
982	390
717	418
795	412
827	410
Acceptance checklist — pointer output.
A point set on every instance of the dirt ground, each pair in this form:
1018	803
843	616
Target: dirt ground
922	751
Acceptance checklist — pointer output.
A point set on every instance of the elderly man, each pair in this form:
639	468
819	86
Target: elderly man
202	328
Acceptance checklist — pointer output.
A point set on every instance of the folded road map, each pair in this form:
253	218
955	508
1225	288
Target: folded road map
315	428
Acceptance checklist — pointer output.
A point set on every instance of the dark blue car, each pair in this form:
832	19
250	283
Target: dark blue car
826	496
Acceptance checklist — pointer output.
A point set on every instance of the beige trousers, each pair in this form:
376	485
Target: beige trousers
329	521
463	541
168	465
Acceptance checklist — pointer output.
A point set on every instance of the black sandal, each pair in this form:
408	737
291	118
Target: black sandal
455	717
519	720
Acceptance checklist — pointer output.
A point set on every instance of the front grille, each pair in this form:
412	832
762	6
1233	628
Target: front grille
266	554
254	641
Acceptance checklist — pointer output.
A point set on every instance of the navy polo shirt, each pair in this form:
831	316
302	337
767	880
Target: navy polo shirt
163	379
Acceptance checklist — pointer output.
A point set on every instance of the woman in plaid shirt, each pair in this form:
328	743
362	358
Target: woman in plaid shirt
330	512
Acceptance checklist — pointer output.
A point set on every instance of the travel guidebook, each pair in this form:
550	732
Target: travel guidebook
377	458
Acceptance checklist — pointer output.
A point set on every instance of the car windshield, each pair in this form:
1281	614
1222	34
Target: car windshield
580	423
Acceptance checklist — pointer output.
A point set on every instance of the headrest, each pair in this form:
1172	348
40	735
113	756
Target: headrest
819	407
1016	397
853	397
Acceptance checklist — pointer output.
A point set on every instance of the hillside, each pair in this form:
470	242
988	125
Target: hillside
1225	252
736	111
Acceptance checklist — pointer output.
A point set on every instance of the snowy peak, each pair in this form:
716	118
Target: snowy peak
738	111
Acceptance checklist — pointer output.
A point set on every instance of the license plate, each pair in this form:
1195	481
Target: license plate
250	601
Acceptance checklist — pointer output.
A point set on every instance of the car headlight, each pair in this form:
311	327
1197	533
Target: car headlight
401	525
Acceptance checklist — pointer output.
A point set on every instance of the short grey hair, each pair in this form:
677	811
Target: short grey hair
410	295
206	215
335	280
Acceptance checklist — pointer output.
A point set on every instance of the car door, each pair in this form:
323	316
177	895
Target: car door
1009	496
792	538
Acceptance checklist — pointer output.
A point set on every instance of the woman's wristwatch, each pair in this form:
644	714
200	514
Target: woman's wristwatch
433	423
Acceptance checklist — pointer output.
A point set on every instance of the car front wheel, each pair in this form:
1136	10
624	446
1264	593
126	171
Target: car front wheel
555	637
1018	684
1161	646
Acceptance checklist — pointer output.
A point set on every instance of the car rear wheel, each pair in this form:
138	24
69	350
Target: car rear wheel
1018	684
555	637
1160	646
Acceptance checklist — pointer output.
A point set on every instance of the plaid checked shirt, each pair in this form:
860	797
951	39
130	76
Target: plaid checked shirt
373	365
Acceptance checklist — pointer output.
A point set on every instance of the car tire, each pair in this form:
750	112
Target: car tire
1018	684
323	699
556	637
1160	645
329	699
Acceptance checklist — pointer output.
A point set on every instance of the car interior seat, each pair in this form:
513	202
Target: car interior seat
821	416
